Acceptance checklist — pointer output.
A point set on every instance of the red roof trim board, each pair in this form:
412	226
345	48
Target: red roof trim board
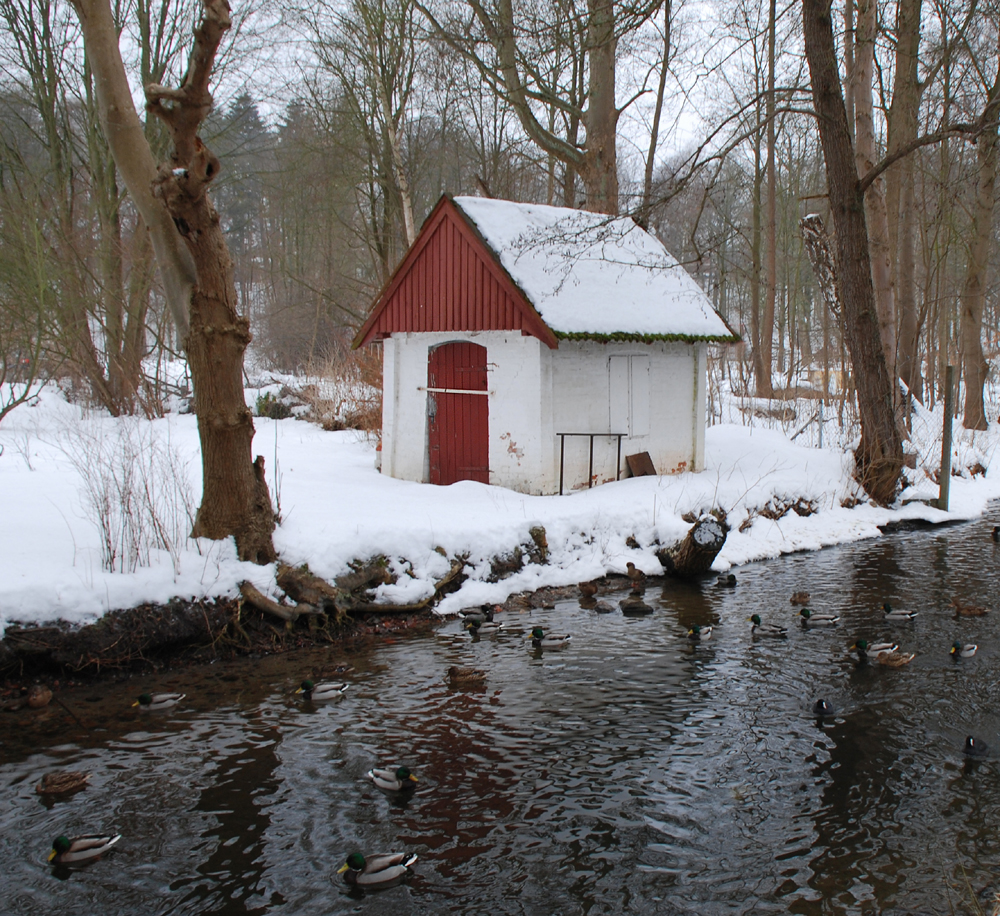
452	238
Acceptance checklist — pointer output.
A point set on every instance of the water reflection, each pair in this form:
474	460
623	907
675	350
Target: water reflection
632	772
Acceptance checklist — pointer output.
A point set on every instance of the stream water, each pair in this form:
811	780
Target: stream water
631	772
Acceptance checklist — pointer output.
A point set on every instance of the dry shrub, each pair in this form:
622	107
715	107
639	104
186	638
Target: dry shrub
345	391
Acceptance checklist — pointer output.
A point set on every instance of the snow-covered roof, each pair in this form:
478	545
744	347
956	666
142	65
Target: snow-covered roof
590	274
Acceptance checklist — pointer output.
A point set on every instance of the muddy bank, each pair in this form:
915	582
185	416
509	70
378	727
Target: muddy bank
155	637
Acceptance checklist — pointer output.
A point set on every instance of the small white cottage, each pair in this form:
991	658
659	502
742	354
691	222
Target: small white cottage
536	347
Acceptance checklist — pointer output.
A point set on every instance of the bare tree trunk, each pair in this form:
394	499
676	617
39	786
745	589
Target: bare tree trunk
879	456
195	265
771	218
654	134
864	154
902	130
599	170
974	290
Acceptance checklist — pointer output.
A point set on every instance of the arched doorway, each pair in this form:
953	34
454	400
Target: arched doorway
458	413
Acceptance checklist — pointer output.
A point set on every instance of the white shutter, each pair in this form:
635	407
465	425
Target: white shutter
618	400
639	414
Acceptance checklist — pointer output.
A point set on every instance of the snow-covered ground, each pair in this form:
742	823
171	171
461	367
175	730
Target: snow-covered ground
57	481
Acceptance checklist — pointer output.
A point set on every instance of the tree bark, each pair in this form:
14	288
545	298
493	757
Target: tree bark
974	289
879	457
899	199
864	154
599	170
195	265
695	554
771	220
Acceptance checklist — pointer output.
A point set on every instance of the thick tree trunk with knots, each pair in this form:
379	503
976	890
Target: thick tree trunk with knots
879	456
194	262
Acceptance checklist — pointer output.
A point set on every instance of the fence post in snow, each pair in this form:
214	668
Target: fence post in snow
949	406
820	422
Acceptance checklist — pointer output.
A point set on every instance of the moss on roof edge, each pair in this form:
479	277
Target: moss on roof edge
644	338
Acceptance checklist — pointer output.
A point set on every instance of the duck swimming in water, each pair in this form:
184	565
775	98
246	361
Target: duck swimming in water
374	872
868	651
389	779
765	629
319	692
809	619
699	634
542	640
74	850
892	614
158	700
957	650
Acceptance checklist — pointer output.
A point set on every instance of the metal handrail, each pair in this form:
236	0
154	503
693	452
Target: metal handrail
590	475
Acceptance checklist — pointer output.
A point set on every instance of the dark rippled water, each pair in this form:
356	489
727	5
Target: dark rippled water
628	773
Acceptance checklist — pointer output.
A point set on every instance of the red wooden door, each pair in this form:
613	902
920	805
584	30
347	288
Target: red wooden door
458	413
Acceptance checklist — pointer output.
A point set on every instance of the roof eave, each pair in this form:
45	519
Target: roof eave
646	338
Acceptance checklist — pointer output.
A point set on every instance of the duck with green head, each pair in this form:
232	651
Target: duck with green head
378	871
79	849
320	692
766	629
482	627
963	651
699	634
542	640
809	619
393	779
868	651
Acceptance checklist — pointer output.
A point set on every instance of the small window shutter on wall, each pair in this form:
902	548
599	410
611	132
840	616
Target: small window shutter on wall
628	389
639	415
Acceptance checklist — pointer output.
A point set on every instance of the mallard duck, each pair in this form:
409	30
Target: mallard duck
70	851
968	610
765	629
323	691
634	606
699	634
975	748
588	589
895	659
482	613
393	780
726	580
158	700
809	619
483	627
383	870
38	696
466	676
959	651
892	614
542	640
866	651
822	708
635	575
62	782
800	598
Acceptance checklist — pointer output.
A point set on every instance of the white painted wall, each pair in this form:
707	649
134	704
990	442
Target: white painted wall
654	393
517	452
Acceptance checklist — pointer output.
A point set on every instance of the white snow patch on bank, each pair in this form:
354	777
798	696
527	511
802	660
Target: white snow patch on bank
336	507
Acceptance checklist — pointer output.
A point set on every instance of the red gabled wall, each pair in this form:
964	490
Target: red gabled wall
451	281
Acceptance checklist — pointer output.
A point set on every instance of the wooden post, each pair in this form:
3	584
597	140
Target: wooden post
944	484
